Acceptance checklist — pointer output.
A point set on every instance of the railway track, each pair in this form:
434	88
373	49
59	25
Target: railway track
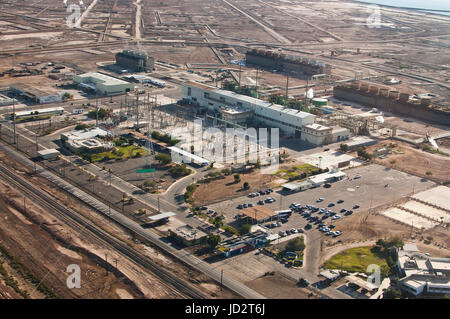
91	230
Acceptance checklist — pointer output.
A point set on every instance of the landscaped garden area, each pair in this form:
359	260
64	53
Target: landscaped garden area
290	252
298	172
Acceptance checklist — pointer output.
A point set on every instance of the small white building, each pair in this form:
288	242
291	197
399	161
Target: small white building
49	154
318	134
328	177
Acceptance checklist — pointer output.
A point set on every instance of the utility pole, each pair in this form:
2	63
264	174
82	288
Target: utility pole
159	211
96	108
240	72
14	119
137	111
287	85
257	70
106	266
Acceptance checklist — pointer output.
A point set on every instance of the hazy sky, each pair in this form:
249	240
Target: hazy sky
420	4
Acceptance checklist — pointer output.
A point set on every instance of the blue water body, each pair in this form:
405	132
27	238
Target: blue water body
423	5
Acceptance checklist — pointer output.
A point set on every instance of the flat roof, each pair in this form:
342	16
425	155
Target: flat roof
85	134
162	216
194	157
361	282
252	100
330	274
49	151
325	176
295	185
40	111
317	127
105	79
258	213
32	90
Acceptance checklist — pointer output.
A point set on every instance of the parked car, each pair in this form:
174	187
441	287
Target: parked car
278	224
336	217
261	202
203	208
331	204
240	206
349	212
327	185
319	200
343	210
245	205
288	232
356	207
282	233
308	226
357	177
302	282
340	201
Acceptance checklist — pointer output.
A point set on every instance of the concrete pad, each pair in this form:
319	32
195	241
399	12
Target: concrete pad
438	196
408	218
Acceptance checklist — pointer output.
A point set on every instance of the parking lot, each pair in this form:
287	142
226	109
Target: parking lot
376	186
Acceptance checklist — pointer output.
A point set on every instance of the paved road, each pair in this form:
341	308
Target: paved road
134	227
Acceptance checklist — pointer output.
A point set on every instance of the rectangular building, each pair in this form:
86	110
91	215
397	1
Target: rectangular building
34	94
289	121
135	61
102	83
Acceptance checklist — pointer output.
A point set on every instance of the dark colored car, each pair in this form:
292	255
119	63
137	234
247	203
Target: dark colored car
356	207
343	210
308	226
340	201
331	205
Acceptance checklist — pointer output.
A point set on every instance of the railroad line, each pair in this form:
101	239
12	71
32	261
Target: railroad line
93	231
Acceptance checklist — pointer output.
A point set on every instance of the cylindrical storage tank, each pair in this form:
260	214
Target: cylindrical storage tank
319	102
404	97
384	92
425	101
394	94
374	89
364	87
355	85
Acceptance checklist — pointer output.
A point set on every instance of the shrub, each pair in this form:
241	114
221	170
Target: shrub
213	240
296	244
244	229
237	178
164	158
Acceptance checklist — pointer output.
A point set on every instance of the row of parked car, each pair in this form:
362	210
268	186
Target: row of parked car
261	193
268	200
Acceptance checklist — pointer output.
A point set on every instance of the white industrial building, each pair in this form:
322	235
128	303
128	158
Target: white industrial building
422	273
318	134
104	84
315	181
289	121
86	141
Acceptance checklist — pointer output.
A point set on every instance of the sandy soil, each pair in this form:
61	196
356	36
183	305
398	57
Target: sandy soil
279	287
223	189
416	162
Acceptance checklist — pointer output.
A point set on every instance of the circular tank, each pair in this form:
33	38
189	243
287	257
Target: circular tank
394	94
404	97
425	101
384	92
319	102
374	89
364	87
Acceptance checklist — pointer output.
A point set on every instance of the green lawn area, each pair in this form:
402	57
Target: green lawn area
122	152
357	260
295	172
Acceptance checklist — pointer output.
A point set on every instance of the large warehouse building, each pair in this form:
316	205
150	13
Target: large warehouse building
34	94
135	61
289	121
104	84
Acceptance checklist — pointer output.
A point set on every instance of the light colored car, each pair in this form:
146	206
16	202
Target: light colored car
294	231
282	233
319	200
336	217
